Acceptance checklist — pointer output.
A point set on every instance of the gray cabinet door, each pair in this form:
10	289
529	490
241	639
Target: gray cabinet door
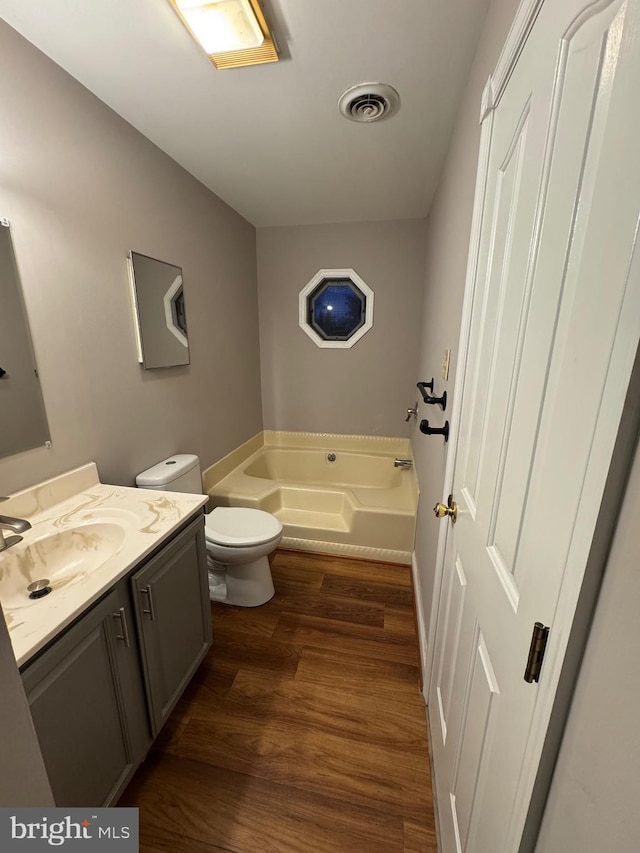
171	598
88	707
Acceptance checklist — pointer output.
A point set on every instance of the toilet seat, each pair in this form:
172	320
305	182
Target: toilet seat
238	527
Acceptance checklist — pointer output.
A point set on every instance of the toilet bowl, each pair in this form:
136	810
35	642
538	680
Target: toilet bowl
239	539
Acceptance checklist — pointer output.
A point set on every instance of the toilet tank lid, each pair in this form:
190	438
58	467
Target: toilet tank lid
167	471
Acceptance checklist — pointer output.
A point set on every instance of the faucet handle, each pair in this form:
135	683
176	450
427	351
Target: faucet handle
412	412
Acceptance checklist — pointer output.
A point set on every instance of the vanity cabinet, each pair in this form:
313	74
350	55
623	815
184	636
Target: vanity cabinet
102	690
171	598
87	704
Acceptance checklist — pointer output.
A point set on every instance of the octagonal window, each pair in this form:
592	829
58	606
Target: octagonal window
178	311
336	308
175	315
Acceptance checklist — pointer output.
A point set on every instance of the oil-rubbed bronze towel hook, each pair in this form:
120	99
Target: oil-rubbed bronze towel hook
427	430
422	386
433	401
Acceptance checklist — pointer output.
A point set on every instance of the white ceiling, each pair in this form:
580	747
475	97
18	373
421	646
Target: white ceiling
269	139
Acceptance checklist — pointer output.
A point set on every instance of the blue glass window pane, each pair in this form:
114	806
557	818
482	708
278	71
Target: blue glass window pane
337	309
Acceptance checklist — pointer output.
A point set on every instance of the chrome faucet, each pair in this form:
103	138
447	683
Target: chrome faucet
403	463
18	525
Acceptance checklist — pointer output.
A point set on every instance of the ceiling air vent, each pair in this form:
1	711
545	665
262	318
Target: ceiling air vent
369	102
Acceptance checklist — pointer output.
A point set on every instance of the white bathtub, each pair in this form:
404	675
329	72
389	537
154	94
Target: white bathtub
357	503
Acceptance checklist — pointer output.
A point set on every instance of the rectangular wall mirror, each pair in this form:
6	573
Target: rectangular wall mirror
23	421
158	303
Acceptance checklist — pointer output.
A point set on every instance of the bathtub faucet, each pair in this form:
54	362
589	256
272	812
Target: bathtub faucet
403	463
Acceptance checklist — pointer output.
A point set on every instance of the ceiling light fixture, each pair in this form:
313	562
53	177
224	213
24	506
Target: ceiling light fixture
232	32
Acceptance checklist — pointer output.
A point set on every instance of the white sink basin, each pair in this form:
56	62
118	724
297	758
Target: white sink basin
63	558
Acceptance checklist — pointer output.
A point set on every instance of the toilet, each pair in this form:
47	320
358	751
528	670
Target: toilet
239	539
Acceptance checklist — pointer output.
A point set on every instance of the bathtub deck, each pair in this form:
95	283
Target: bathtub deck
370	523
303	730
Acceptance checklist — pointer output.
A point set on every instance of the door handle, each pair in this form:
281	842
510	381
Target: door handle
122	616
151	612
451	509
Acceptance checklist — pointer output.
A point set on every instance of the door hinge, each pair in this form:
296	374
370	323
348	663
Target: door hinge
536	652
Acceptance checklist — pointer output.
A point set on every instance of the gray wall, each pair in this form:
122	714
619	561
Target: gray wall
363	390
81	188
592	804
447	244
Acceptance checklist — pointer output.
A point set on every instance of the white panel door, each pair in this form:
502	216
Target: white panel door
553	332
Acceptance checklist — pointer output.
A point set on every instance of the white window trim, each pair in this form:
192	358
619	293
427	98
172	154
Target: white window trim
311	286
168	311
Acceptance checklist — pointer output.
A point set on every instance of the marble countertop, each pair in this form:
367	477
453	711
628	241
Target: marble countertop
72	501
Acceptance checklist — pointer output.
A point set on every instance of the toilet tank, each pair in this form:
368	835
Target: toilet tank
179	473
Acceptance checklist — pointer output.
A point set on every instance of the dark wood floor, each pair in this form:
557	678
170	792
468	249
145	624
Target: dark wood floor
304	730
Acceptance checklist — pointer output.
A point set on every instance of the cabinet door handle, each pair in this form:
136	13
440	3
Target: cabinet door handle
122	616
150	611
